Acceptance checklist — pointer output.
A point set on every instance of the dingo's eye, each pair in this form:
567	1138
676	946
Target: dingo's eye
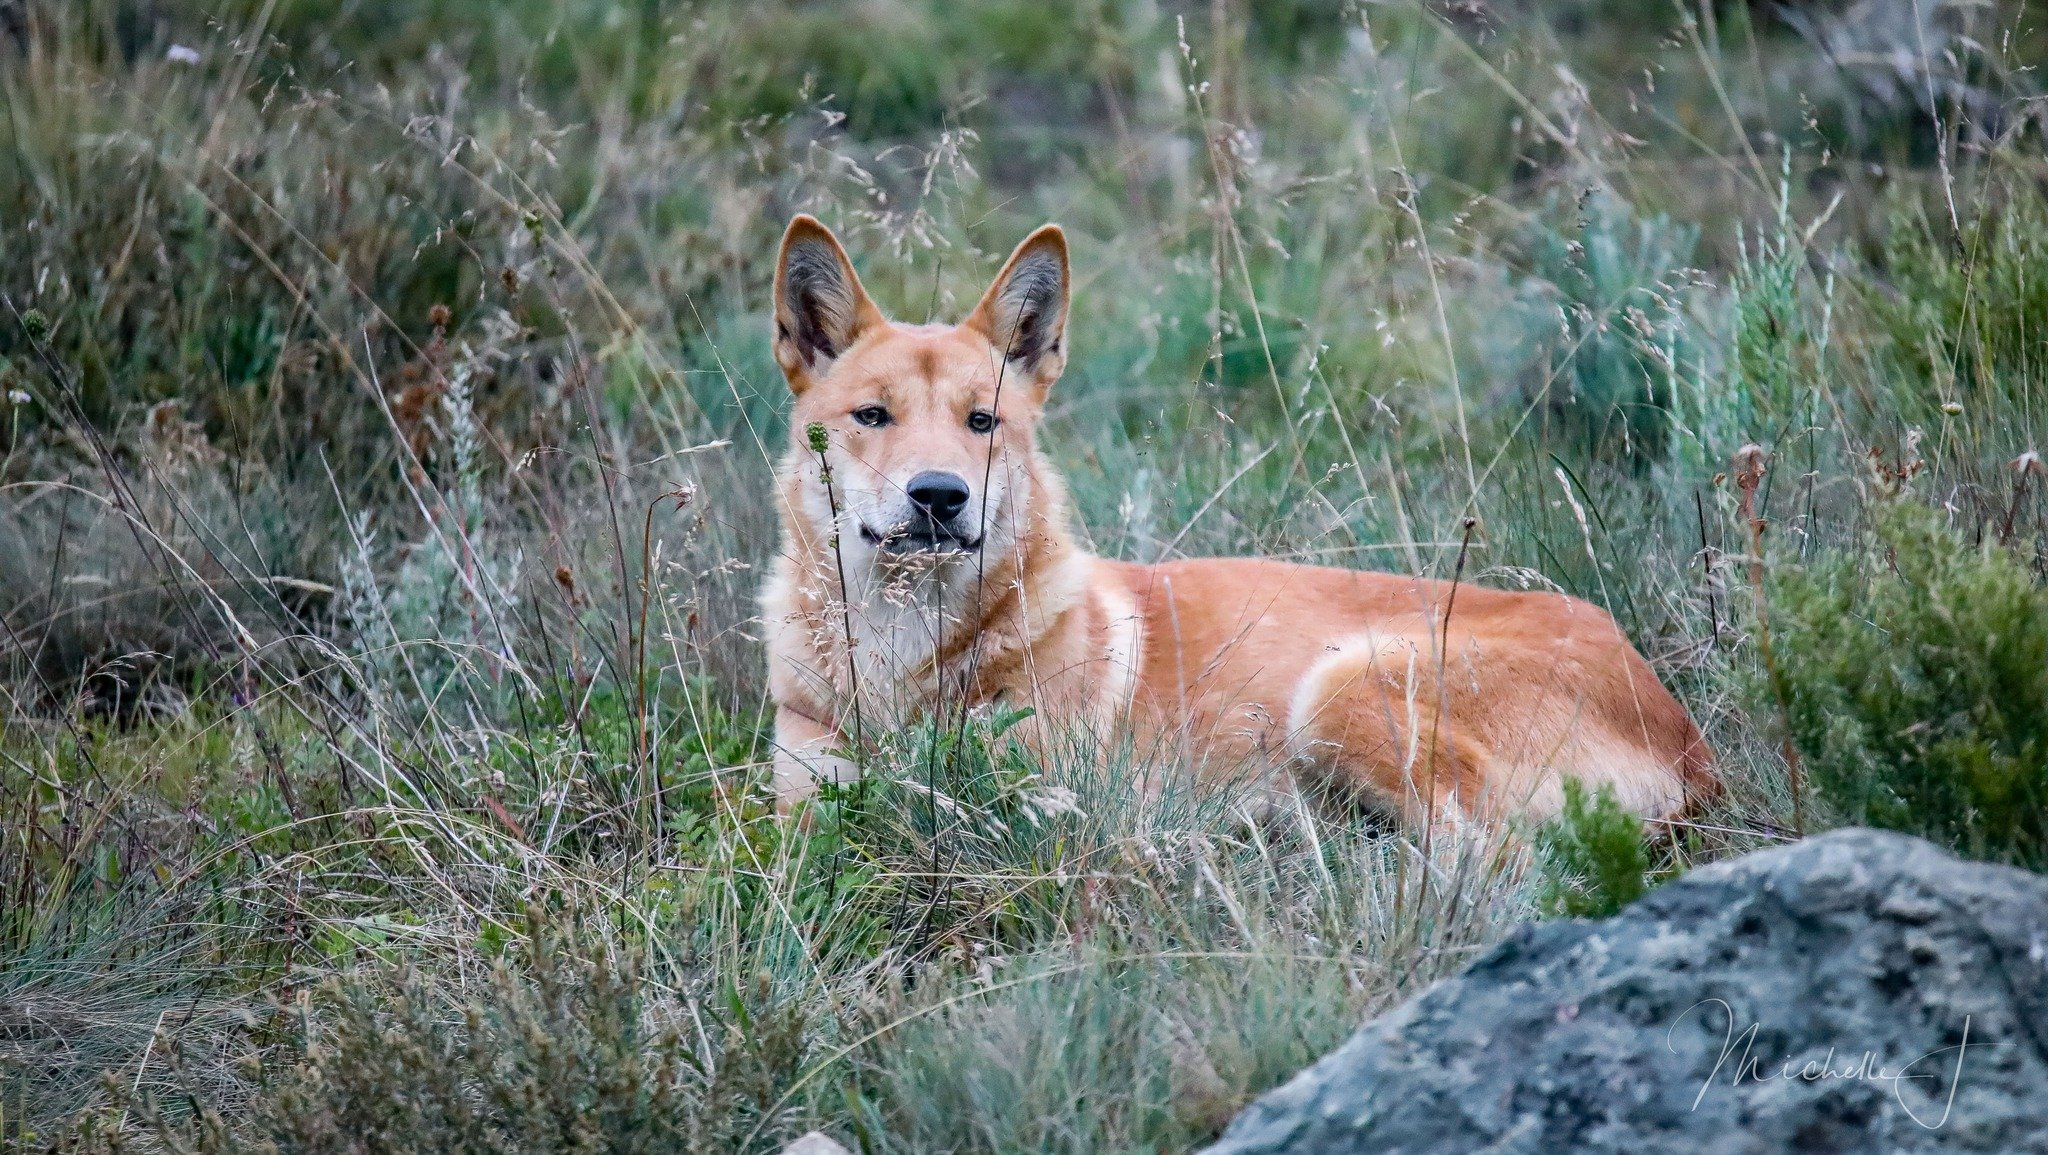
981	421
872	416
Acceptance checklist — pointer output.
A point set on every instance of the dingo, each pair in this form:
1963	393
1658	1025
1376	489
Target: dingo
926	558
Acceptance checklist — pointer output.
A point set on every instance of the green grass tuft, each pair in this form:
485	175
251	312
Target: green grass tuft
1594	858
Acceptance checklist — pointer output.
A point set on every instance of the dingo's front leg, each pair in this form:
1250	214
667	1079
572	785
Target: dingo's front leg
805	756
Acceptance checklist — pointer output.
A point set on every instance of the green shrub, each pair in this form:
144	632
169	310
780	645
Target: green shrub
1966	318
1593	855
1613	306
560	1052
1102	1053
1776	347
1915	677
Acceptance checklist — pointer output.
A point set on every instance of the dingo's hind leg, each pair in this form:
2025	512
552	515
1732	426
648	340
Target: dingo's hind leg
1368	721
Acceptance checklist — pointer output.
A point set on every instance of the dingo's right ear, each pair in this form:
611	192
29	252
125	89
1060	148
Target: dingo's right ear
820	307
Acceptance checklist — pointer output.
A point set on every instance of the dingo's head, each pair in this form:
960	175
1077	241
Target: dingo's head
928	428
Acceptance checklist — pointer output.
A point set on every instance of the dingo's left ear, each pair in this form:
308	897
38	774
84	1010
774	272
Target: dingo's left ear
820	307
1024	313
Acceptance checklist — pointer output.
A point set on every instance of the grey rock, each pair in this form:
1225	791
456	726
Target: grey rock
1860	991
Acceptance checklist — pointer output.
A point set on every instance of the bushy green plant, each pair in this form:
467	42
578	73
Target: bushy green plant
1774	349
1102	1054
1614	307
1593	855
1966	316
1915	675
560	1051
447	621
966	795
954	837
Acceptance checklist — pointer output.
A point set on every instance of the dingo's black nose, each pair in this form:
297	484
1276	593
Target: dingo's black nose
939	496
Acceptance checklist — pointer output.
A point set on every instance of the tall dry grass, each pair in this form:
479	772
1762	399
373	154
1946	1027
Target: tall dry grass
383	761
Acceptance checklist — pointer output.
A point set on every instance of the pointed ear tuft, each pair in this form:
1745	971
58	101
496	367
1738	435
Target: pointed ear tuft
820	307
1024	313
